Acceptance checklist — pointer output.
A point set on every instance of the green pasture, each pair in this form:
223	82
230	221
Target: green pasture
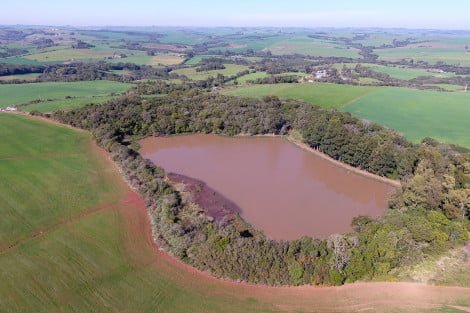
417	114
322	94
62	239
191	73
22	93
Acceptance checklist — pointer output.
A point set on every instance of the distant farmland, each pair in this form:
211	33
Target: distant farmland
324	95
415	113
23	93
191	73
448	52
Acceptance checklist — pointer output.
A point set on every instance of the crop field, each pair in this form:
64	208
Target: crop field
290	44
23	93
449	87
67	54
156	60
195	60
324	95
66	242
79	242
27	77
191	73
398	72
418	114
64	104
18	60
431	53
182	37
415	113
406	73
310	46
252	76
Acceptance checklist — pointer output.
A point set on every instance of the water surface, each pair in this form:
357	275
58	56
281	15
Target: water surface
281	189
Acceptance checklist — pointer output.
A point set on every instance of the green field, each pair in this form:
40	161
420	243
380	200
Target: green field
23	93
252	76
26	77
64	104
429	53
417	114
59	202
191	73
290	44
406	73
324	95
156	60
310	46
398	72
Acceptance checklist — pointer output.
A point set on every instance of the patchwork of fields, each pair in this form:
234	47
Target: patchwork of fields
429	52
75	238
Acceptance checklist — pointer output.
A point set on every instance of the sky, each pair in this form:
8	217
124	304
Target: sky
436	14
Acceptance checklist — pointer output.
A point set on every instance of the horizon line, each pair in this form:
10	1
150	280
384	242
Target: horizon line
247	27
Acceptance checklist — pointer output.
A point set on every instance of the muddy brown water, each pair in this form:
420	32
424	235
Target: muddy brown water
280	188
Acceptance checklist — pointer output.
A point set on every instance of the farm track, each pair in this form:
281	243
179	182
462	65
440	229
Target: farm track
136	236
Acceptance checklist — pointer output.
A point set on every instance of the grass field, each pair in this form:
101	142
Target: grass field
191	73
27	77
431	53
79	243
70	250
310	46
406	73
399	72
156	60
324	95
23	93
449	87
64	104
252	76
417	114
291	44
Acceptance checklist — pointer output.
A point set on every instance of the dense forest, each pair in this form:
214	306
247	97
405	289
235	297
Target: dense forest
428	214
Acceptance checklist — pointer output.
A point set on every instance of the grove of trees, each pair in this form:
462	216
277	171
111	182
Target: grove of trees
428	214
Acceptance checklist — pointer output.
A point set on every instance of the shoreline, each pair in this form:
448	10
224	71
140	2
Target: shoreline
350	168
297	142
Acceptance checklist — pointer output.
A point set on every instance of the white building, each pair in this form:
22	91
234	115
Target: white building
8	109
321	74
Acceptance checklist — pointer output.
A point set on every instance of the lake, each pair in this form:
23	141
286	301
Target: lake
279	188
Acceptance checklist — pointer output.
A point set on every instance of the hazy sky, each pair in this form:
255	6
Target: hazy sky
449	14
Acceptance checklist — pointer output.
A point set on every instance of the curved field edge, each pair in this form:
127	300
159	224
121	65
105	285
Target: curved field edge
102	257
